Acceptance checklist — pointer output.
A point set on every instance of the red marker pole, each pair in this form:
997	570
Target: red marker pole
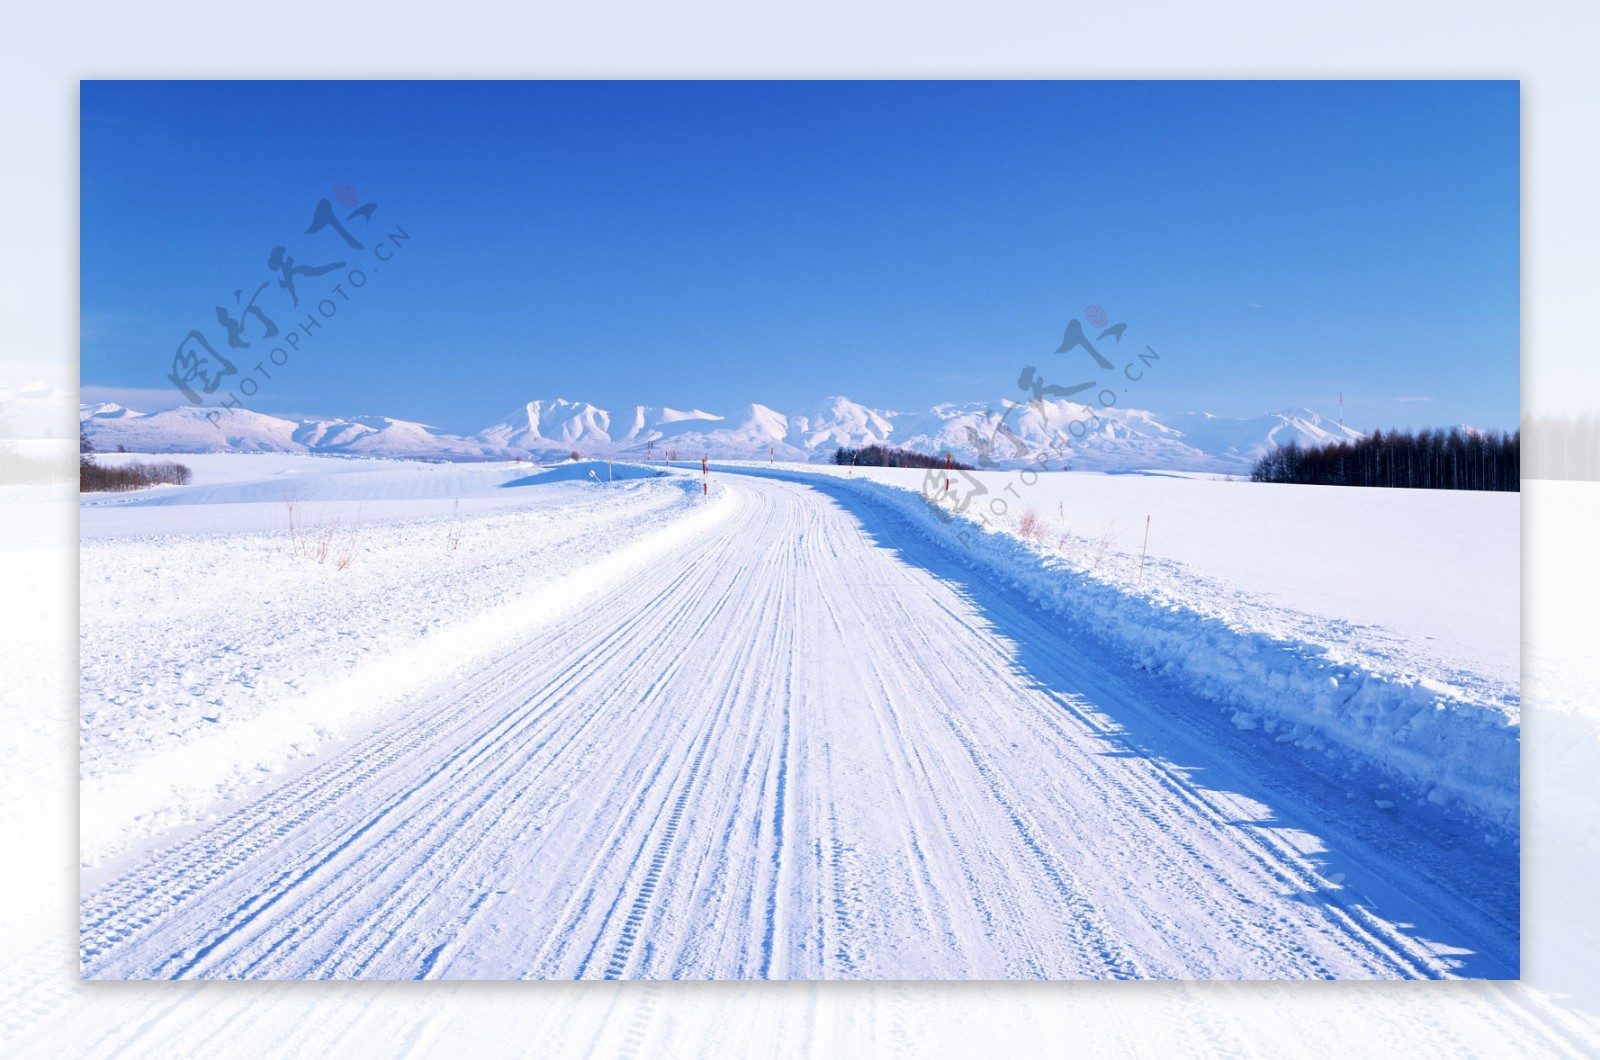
947	472
705	478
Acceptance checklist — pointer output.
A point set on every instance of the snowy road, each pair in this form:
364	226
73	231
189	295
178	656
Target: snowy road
811	744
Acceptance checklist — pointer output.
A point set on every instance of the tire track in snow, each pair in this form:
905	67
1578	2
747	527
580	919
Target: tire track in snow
213	855
652	876
1367	938
720	666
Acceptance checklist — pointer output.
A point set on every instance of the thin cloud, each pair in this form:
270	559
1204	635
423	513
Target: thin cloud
1415	399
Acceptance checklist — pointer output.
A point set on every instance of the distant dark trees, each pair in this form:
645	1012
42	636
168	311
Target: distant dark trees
888	456
1428	459
95	478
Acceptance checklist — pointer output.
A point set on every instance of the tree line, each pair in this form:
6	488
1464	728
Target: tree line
1427	459
100	478
888	456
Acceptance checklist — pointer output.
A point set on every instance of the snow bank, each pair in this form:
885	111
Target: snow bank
1452	744
596	471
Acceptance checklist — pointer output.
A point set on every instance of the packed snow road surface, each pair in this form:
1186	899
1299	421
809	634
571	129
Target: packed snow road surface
810	743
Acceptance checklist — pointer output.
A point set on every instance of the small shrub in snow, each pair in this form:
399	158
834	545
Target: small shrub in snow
330	542
1030	529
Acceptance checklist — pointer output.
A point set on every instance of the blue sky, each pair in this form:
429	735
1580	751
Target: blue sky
711	244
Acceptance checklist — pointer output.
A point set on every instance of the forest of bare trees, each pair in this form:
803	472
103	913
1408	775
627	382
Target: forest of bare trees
133	475
1426	459
888	456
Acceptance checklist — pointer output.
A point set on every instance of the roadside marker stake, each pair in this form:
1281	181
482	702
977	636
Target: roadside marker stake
1145	549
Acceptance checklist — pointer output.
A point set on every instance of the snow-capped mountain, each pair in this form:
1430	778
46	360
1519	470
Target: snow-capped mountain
190	429
839	421
754	433
1061	433
1248	439
34	410
383	436
1052	434
541	427
650	425
187	430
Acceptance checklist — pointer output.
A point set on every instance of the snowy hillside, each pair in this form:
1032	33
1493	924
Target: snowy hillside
1056	433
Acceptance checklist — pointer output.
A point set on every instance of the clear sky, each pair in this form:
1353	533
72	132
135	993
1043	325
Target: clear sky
710	244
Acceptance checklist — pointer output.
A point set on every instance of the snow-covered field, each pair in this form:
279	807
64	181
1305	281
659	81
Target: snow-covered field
522	723
1430	576
217	645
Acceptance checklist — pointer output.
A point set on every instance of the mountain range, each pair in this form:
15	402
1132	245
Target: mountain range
1061	432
